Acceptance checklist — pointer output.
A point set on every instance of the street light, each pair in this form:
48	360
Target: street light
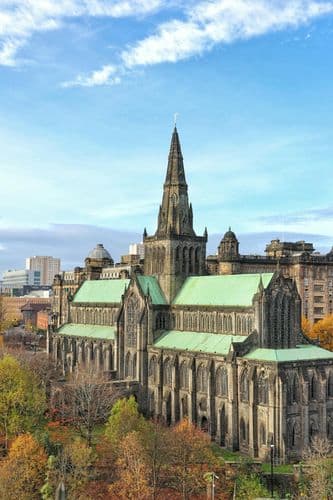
210	477
272	471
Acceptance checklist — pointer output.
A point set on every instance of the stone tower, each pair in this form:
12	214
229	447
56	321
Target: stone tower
174	251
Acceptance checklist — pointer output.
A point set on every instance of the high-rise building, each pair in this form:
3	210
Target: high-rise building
137	249
15	280
46	265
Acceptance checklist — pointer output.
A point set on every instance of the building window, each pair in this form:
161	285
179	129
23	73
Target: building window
167	372
183	375
244	386
222	382
262	434
263	389
202	379
132	321
153	369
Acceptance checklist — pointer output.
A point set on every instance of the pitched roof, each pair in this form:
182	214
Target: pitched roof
226	290
213	343
85	330
298	353
150	283
105	291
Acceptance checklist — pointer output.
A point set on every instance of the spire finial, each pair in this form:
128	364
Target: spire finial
229	228
175	116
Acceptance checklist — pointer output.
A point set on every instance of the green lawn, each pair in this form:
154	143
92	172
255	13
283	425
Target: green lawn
281	469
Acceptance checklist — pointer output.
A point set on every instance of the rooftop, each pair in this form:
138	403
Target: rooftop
101	291
228	290
91	331
306	352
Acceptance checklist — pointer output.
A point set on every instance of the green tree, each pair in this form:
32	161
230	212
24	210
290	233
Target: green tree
248	487
22	472
124	418
22	401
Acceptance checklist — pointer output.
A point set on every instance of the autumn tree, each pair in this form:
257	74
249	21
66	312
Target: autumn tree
22	401
318	473
87	400
124	418
132	470
191	457
321	331
22	472
72	466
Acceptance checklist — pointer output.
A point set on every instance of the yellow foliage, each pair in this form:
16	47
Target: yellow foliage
22	472
321	332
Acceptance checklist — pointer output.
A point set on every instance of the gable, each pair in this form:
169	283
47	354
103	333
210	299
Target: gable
151	285
225	290
101	291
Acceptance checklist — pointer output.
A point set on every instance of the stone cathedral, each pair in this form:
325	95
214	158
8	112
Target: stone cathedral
226	351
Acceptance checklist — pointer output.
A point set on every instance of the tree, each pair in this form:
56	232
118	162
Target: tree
22	472
124	418
72	467
22	401
191	457
132	469
318	473
248	487
321	331
86	401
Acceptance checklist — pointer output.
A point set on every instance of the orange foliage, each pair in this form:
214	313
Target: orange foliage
22	472
321	332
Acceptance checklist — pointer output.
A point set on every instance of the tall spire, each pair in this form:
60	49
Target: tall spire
175	215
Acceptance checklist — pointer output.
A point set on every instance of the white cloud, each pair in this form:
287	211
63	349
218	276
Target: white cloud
102	76
20	19
221	21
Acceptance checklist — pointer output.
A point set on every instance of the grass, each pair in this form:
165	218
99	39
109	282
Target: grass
279	469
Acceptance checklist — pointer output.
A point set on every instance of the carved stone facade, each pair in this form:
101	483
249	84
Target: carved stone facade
225	351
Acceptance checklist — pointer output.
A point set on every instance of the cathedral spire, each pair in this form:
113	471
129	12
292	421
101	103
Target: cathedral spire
175	216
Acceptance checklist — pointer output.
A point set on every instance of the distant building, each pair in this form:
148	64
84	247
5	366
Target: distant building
46	265
137	249
31	310
14	281
13	305
312	272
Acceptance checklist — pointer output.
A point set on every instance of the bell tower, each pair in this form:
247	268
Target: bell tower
174	251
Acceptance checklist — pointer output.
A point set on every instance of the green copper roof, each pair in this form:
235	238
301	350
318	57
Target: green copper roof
229	290
213	343
150	283
91	331
299	353
106	291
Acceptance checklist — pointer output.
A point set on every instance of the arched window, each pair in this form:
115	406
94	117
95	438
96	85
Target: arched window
184	260
229	323
191	260
293	389
132	312
183	375
262	434
128	365
262	389
177	259
202	379
167	373
134	367
293	436
243	434
330	385
239	325
222	382
197	261
153	369
313	387
244	386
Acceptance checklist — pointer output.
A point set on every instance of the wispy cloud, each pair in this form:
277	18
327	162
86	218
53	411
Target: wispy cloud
20	19
104	76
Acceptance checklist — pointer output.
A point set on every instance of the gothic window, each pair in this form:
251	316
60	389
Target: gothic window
313	387
239	325
177	258
225	323
128	365
262	389
134	366
160	321
132	321
183	375
229	323
184	261
262	434
293	436
293	389
173	321
202	379
244	325
222	382
244	386
191	260
167	372
249	324
184	407
197	261
243	433
330	385
153	369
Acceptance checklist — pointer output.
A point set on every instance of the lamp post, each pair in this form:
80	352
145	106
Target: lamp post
210	478
272	470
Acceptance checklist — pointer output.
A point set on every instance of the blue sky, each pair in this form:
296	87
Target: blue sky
88	91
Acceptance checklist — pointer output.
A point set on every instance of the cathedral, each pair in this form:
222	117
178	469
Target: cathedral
225	351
